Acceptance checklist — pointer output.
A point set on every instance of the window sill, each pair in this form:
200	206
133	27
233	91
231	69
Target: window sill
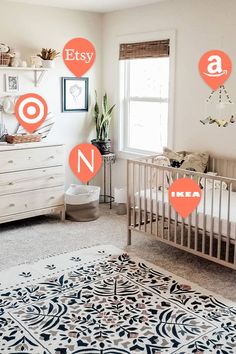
130	155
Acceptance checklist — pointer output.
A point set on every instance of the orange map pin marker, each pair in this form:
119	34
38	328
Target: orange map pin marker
79	55
31	111
185	195
215	68
85	161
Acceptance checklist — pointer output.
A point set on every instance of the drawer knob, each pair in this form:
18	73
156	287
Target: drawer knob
52	157
10	161
51	177
52	198
11	205
29	158
26	205
11	184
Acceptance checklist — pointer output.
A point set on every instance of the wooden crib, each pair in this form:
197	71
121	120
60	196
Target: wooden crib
209	232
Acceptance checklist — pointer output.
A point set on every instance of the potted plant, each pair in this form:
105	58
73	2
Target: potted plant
48	56
102	123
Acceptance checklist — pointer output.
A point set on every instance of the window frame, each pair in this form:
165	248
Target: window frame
123	150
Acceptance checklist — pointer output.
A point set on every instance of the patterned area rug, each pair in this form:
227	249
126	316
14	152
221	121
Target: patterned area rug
101	301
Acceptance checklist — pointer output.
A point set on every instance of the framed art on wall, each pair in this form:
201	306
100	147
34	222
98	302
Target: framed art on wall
11	83
75	94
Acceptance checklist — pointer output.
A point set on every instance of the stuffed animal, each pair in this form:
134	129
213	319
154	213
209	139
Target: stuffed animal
4	48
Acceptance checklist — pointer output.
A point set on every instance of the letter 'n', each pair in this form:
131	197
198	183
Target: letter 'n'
87	163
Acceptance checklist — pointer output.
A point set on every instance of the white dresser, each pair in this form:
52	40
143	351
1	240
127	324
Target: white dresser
31	180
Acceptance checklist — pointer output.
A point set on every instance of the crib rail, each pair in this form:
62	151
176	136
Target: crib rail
209	232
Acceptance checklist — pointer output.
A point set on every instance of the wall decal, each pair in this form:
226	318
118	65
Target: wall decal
31	111
184	195
79	55
215	68
85	161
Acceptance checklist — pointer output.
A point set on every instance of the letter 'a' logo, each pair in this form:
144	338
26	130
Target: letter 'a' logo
215	68
85	161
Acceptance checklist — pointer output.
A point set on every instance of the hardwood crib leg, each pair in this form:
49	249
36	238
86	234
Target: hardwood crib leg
129	237
63	215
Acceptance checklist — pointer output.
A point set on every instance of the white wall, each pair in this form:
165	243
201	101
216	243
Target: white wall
29	28
200	25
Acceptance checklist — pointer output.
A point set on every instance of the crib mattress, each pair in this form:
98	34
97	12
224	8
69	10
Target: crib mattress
161	204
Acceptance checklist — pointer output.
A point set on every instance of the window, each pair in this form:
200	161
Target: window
144	82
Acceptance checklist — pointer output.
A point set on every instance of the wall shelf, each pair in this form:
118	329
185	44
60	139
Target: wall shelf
38	72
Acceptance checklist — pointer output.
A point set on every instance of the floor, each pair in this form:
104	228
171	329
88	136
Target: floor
32	239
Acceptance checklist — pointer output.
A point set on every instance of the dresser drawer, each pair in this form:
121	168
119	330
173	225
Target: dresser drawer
22	181
26	159
27	201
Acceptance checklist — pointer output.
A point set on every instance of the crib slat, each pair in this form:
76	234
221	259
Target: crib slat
219	223
212	218
145	198
169	210
196	225
163	204
228	224
189	227
157	201
182	224
133	197
151	201
139	198
204	218
176	218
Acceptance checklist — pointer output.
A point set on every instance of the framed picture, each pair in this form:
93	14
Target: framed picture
11	83
75	94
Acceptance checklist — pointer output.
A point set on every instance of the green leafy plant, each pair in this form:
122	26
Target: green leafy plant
48	54
103	119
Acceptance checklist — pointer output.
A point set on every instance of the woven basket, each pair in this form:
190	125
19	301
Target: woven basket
5	59
18	139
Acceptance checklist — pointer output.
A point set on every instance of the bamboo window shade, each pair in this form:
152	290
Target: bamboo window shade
152	49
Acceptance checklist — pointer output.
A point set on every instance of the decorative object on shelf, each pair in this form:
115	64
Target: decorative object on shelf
8	104
3	130
24	64
16	61
120	195
11	83
102	123
108	161
23	138
220	112
5	55
44	129
48	56
35	62
75	94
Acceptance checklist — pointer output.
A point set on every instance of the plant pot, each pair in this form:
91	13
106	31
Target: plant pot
104	146
49	64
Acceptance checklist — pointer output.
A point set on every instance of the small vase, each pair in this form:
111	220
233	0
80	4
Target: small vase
48	64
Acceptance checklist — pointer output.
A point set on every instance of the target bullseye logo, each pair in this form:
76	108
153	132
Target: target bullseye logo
31	111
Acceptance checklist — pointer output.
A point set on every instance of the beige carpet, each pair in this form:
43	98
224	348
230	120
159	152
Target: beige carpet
28	240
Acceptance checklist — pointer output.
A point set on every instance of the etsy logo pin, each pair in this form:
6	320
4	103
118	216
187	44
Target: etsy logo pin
184	195
85	161
31	111
215	68
79	56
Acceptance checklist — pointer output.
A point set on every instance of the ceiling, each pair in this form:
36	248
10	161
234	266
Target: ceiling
91	5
